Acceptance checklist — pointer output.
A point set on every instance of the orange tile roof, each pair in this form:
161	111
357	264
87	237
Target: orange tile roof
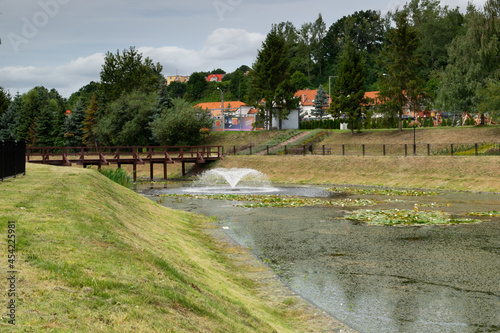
215	107
306	96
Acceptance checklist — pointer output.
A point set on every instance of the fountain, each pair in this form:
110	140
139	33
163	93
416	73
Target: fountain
241	180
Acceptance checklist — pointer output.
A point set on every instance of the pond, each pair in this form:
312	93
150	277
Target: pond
431	278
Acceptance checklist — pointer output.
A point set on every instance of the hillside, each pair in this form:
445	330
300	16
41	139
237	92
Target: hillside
444	135
94	256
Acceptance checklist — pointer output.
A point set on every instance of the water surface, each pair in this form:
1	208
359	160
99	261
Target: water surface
373	278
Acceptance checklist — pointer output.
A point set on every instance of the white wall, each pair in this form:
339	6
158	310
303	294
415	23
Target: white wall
291	123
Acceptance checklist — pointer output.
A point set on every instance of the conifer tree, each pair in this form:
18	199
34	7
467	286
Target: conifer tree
401	84
44	123
73	125
270	79
320	103
89	122
348	91
10	119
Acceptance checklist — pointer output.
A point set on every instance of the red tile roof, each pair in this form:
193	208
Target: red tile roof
306	96
215	77
215	107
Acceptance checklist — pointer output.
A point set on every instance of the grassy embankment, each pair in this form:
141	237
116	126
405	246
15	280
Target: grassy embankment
94	256
437	172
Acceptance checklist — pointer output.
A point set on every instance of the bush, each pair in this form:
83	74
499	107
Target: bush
180	125
119	176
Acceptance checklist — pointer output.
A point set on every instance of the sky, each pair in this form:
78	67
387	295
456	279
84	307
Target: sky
61	44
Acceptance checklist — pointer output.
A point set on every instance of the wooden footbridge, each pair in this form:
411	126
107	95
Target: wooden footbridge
99	156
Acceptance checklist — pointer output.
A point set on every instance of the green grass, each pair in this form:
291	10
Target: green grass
93	256
118	175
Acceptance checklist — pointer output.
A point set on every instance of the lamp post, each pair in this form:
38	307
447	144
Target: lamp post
414	124
222	108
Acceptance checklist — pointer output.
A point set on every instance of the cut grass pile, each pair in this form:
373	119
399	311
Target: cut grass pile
94	256
435	172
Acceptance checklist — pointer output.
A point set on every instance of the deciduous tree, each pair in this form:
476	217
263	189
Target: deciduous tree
125	72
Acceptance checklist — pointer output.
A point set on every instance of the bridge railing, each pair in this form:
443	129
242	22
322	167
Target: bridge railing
121	153
12	162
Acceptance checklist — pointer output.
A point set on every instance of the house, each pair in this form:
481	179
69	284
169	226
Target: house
177	78
237	116
215	77
306	100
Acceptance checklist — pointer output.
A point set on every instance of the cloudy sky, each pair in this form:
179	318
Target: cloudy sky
61	43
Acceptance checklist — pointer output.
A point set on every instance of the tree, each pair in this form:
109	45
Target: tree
366	30
299	81
33	103
181	125
43	124
10	119
348	91
239	85
270	80
125	122
89	122
177	89
196	86
473	59
436	27
123	73
400	85
489	99
320	103
4	100
318	31
73	126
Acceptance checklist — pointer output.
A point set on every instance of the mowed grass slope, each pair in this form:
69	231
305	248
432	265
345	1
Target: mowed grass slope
94	256
423	135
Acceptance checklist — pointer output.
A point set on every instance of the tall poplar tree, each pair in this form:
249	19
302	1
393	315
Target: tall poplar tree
401	85
348	91
270	79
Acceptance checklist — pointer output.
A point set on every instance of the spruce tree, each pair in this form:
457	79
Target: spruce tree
348	91
401	85
10	119
73	125
270	79
320	103
44	123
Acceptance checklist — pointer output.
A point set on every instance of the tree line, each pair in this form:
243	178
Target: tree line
423	56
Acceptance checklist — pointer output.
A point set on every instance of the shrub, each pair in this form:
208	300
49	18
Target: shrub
119	176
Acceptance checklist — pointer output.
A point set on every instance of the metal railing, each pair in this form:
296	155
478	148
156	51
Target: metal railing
351	149
12	158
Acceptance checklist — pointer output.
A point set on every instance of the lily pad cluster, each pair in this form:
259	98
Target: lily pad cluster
375	191
254	201
491	214
404	217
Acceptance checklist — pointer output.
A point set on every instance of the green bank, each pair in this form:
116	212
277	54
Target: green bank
94	256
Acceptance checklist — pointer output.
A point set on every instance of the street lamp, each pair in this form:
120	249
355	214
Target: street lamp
222	108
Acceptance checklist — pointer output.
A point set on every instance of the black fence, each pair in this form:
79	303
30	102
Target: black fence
420	149
12	158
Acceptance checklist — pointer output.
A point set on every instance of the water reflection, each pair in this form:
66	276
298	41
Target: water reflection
379	279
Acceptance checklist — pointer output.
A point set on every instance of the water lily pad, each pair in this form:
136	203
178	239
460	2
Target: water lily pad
406	217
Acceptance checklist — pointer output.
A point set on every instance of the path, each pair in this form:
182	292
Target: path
287	142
